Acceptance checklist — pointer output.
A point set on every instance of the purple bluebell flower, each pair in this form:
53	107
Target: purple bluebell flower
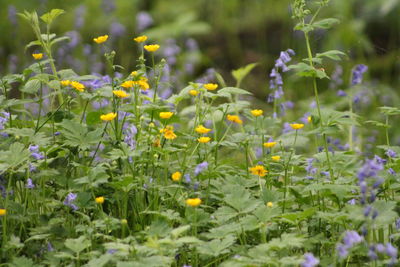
143	21
12	15
370	168
391	251
196	186
352	201
200	168
111	251
380	248
372	254
29	183
350	239
341	93
117	29
4	117
336	77
357	73
49	247
391	153
309	260
108	6
276	81
391	171
34	149
69	199
187	178
130	133
79	16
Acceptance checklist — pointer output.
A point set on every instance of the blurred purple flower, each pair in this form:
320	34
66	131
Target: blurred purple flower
34	149
29	184
80	16
391	153
309	260
143	21
117	29
357	73
69	199
200	168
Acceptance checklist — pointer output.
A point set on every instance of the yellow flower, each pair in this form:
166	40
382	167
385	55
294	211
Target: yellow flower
120	93
134	73
193	202
108	116
166	115
140	39
202	130
296	126
270	204
193	92
309	119
204	139
276	158
269	144
176	176
168	132
3	212
78	86
256	112
144	85
258	170
234	118
37	56
211	86
65	82
151	48
128	84
170	135
101	39
99	200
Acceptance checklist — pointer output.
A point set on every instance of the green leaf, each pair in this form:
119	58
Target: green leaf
216	247
325	23
16	155
77	245
332	54
100	261
93	117
233	91
31	87
50	16
241	73
78	135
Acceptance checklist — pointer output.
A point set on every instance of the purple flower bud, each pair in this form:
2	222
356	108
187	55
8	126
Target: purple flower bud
309	260
391	153
201	167
29	184
391	251
357	73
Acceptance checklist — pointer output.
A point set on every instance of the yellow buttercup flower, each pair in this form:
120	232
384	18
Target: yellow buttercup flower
144	85
270	204
296	126
193	92
120	93
108	117
78	86
140	39
166	115
3	212
234	118
65	82
37	56
99	200
101	39
256	112
168	132
193	202
134	73
211	86
309	119
176	176
275	158
151	48
204	139
202	130
128	84
269	144
258	170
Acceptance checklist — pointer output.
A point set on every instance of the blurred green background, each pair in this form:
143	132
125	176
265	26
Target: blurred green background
199	34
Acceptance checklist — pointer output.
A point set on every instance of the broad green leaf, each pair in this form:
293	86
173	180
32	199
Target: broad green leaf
78	135
77	245
50	16
241	73
216	247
